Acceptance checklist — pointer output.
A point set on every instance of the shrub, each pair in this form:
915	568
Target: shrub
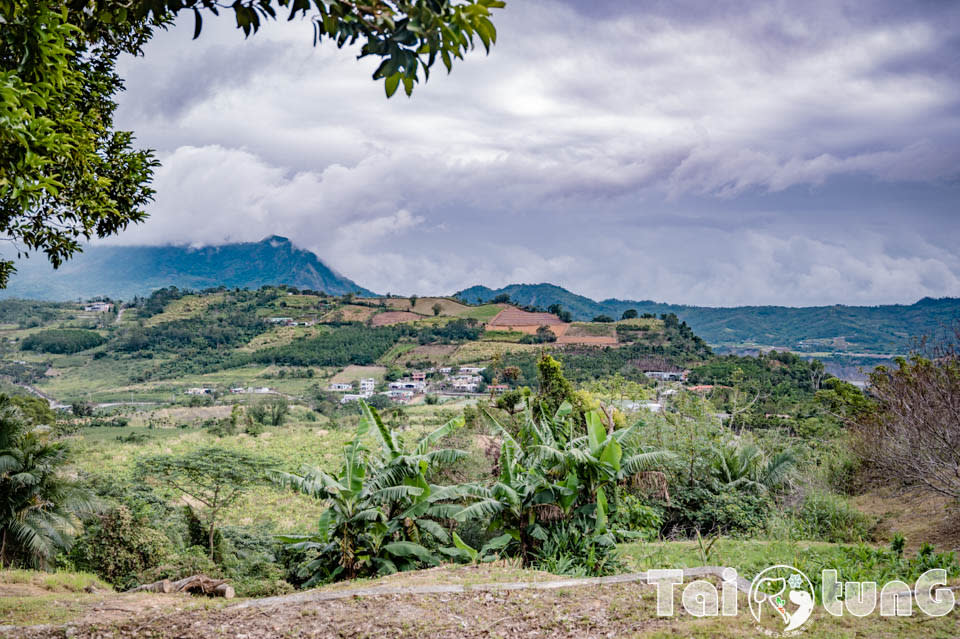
571	549
696	508
634	515
118	546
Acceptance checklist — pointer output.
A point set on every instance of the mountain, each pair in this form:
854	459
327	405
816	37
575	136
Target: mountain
121	272
867	329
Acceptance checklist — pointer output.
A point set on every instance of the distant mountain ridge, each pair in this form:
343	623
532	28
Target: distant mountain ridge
124	271
869	329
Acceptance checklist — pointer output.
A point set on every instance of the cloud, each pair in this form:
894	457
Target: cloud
730	153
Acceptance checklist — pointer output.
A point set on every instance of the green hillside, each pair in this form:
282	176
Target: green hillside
854	329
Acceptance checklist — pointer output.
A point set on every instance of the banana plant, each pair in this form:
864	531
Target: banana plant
378	505
550	472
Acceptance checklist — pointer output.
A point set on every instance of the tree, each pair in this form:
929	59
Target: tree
606	319
545	335
630	313
214	477
66	175
413	301
502	298
912	433
437	309
39	505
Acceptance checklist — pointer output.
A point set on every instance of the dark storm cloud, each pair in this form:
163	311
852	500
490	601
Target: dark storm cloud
713	153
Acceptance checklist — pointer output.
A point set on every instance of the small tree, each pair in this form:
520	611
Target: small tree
545	335
214	477
413	301
278	408
630	313
437	309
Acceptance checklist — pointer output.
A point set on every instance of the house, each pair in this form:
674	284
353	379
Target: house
418	376
263	390
199	391
465	386
367	385
701	388
499	389
98	307
665	376
351	397
288	321
239	390
471	370
399	394
340	387
406	384
446	370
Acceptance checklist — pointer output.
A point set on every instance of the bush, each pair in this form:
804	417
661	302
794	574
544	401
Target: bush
571	549
828	517
696	508
118	546
634	515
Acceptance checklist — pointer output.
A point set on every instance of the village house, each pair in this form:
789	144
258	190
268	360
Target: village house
98	307
352	397
665	376
418	376
199	391
340	387
471	370
406	384
367	385
499	389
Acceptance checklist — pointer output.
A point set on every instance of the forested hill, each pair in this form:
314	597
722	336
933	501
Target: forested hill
868	329
125	271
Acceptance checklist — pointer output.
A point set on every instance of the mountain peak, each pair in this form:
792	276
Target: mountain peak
275	241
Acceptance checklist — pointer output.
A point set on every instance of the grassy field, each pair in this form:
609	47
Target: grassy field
483	351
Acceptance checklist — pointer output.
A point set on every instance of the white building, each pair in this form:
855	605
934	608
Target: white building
337	386
472	370
664	376
399	394
367	384
199	391
406	384
98	307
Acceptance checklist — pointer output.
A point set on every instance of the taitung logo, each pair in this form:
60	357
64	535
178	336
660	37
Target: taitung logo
785	595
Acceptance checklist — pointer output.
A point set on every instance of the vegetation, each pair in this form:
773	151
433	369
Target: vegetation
62	341
214	477
39	506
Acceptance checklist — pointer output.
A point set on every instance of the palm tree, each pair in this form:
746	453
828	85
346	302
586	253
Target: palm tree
741	464
39	507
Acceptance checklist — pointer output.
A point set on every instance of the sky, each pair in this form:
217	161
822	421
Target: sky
713	153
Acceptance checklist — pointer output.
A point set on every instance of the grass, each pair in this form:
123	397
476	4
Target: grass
53	581
589	329
484	351
397	350
483	313
502	336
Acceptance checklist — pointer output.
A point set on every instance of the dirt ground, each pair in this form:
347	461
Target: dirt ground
917	515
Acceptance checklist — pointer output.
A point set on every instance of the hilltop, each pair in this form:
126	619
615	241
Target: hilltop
815	329
125	271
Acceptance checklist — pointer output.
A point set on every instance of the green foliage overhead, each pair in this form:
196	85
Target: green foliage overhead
65	174
62	341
